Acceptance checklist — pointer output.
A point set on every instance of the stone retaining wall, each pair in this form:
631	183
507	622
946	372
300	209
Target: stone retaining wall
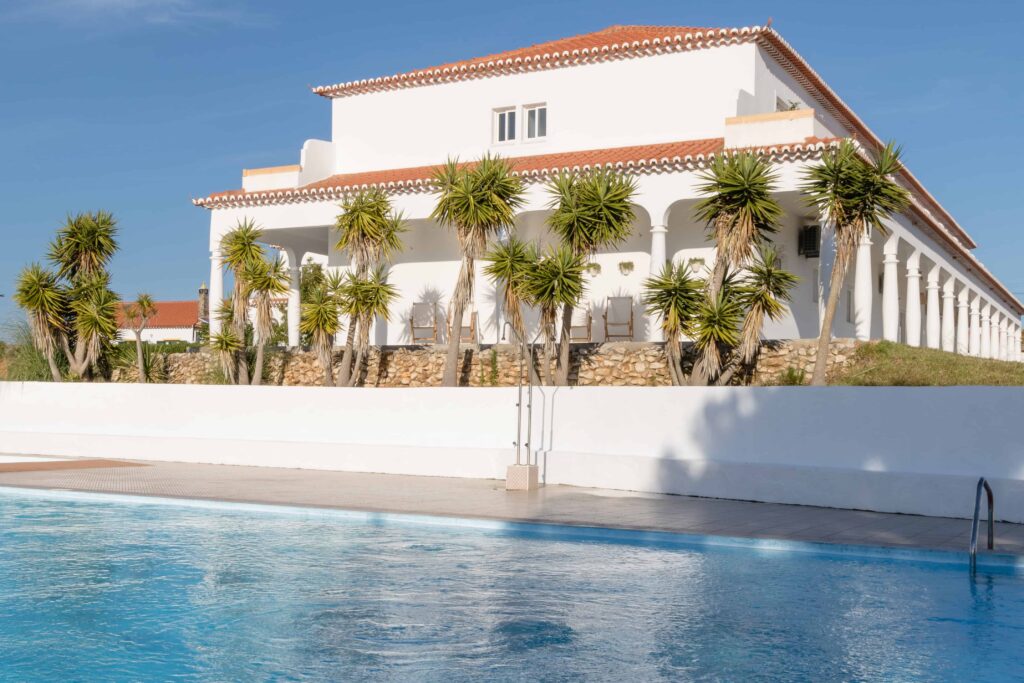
613	364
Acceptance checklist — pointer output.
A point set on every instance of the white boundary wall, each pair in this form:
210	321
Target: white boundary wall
913	450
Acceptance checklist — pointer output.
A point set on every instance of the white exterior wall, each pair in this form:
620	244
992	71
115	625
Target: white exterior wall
923	453
676	96
159	334
697	92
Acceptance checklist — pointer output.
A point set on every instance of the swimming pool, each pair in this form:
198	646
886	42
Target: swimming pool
99	588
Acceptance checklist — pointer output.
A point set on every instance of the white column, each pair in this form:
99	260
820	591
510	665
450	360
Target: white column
962	321
932	324
948	316
891	290
994	334
826	262
294	302
658	233
974	343
913	307
862	290
216	290
1015	340
986	331
1002	338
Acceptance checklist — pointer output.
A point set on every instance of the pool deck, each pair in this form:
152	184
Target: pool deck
487	499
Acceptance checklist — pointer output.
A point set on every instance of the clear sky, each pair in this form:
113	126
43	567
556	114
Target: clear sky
136	106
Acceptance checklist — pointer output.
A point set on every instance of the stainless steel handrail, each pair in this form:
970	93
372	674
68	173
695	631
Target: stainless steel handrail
982	484
529	395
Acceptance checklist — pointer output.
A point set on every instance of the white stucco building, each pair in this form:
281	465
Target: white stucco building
682	95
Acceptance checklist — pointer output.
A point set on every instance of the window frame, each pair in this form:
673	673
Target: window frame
496	125
534	107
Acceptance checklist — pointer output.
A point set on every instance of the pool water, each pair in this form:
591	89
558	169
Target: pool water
93	589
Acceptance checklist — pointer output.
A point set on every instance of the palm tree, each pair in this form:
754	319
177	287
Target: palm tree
94	309
716	325
674	296
764	289
477	202
741	212
320	320
590	211
509	264
138	314
84	245
241	250
265	280
42	297
554	281
228	345
370	231
365	298
854	194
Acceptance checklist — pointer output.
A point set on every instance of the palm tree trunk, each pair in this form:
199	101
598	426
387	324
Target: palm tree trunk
825	337
674	367
451	363
243	367
139	359
562	377
460	298
257	373
346	358
54	370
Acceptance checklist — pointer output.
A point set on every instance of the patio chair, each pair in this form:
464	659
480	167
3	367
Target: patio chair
423	323
618	318
467	331
580	329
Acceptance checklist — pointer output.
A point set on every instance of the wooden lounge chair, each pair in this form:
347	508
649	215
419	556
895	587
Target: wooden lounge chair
618	318
467	331
580	329
423	323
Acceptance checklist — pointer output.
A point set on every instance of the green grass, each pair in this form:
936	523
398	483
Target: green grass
888	364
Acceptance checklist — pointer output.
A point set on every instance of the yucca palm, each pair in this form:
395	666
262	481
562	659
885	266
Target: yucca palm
554	281
94	311
765	289
137	316
674	296
855	195
590	211
320	321
39	293
228	345
741	213
84	245
241	251
371	232
477	202
509	264
739	209
363	299
716	325
265	280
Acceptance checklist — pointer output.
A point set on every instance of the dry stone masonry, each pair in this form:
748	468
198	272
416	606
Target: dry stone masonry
612	364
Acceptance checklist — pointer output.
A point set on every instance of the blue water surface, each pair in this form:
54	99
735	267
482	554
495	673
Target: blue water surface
96	590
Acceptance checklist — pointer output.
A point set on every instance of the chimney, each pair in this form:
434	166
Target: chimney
204	303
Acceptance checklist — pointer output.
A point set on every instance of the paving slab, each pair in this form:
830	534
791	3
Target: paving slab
487	499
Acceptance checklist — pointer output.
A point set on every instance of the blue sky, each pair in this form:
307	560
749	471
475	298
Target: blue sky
136	106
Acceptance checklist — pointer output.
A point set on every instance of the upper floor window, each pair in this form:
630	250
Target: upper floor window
505	125
536	121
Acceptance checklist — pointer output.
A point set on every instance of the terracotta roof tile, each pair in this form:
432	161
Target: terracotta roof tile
585	47
168	314
525	164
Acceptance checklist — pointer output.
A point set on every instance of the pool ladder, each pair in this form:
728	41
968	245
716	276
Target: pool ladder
982	485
